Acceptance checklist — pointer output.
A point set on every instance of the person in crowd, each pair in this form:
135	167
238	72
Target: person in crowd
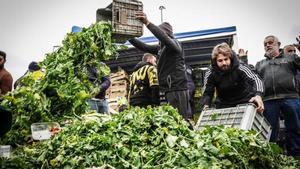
6	79
289	50
281	94
297	45
243	55
171	67
32	67
5	120
191	87
99	102
144	89
235	83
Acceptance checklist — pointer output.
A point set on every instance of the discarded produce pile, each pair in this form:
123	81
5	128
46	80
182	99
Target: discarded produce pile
149	138
61	88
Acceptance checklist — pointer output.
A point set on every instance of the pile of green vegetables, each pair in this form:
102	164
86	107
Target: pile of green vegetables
136	138
149	138
61	88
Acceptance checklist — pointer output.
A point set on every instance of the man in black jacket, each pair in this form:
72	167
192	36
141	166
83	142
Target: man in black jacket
281	94
99	102
5	121
170	65
144	89
234	81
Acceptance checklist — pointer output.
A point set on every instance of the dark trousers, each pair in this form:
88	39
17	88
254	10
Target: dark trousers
290	109
192	102
5	120
180	101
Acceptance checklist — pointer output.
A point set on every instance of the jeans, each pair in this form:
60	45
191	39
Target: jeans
290	109
100	105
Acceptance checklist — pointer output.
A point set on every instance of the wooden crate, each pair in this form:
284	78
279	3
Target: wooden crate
119	76
119	83
118	93
119	86
114	106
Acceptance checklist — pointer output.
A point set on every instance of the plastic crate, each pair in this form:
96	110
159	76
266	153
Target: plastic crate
242	116
5	151
44	131
121	13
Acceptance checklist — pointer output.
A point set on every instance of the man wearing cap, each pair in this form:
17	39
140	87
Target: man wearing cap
6	79
171	67
32	67
281	93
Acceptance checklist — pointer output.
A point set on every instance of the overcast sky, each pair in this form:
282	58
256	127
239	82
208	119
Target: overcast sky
30	28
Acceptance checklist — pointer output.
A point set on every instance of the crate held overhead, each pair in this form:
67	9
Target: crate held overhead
121	14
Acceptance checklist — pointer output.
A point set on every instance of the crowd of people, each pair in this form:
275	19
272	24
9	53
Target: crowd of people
272	84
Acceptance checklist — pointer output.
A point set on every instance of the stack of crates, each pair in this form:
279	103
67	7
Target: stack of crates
242	116
121	14
118	89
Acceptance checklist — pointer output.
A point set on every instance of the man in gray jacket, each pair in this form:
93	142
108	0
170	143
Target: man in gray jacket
171	67
281	93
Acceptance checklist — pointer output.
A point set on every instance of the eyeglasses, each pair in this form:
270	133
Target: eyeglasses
291	51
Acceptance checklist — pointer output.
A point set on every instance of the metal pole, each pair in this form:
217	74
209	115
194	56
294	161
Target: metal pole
161	8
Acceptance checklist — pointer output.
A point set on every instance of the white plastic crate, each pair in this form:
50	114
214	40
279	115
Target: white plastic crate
242	116
5	151
44	131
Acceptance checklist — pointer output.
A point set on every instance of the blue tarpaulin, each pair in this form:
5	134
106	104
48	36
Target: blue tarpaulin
191	34
179	35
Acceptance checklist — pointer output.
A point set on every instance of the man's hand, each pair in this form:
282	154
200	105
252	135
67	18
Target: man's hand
140	15
297	45
259	103
242	53
205	107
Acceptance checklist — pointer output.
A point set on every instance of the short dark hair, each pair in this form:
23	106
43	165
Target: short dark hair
146	56
3	54
33	66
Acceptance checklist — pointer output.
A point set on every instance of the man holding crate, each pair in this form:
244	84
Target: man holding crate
171	67
233	81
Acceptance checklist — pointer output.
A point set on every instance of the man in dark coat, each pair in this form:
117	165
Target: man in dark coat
281	95
5	120
171	68
99	102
